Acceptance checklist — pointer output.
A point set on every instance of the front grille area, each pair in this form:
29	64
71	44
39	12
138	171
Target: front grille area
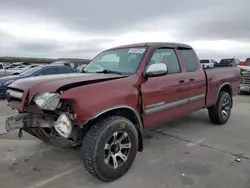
245	79
2	90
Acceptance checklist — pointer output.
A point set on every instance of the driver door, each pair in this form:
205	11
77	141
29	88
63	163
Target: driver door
164	97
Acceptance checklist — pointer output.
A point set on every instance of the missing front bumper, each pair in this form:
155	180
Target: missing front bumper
62	124
46	128
27	120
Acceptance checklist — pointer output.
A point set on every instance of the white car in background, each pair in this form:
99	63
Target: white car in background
208	63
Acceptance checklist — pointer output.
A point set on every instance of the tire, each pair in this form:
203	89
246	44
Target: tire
217	114
98	146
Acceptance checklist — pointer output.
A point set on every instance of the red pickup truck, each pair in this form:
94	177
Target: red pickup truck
122	91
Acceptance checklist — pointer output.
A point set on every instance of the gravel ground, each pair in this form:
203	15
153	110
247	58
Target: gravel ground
4	112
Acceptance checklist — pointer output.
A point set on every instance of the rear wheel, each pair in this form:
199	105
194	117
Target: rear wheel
220	113
109	148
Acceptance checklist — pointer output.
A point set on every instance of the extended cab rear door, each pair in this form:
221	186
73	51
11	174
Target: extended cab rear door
164	97
196	79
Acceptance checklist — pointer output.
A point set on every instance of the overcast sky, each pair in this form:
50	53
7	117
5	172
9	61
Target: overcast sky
82	28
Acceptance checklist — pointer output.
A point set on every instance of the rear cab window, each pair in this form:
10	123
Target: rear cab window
189	60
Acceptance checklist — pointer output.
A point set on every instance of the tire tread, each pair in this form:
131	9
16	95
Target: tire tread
214	110
90	140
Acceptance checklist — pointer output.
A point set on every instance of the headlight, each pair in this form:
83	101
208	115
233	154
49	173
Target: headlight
47	101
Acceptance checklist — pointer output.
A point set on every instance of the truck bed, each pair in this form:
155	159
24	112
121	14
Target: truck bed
219	75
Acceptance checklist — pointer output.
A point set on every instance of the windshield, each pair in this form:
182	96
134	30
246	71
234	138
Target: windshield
125	60
31	71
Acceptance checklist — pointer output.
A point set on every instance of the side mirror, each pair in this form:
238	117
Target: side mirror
156	69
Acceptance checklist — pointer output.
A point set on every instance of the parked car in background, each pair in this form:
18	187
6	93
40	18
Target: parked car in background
208	63
36	71
7	72
245	63
81	67
245	79
65	63
17	70
6	65
229	62
123	91
13	65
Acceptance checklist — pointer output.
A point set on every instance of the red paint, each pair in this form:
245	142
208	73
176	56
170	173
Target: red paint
91	99
245	63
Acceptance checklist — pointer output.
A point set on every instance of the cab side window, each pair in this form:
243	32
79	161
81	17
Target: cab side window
168	57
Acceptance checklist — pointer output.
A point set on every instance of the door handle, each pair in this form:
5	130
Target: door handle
191	79
181	81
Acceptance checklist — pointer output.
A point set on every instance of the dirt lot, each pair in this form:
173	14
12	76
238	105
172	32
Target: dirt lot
190	152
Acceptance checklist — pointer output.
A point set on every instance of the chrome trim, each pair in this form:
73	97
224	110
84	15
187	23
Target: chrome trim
117	107
152	110
196	98
166	106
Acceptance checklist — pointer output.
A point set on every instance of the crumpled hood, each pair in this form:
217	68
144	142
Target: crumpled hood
54	83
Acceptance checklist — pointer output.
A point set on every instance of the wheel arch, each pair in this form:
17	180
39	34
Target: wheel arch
227	87
124	111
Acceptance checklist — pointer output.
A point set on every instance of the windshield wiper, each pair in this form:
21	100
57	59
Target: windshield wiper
106	71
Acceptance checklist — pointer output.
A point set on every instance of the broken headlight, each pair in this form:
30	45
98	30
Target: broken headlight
47	101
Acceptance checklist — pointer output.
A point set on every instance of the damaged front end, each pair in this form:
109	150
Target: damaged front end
54	126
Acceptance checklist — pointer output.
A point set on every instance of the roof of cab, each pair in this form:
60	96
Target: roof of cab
155	44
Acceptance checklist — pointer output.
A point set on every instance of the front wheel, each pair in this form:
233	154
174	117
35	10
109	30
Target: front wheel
220	113
110	147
